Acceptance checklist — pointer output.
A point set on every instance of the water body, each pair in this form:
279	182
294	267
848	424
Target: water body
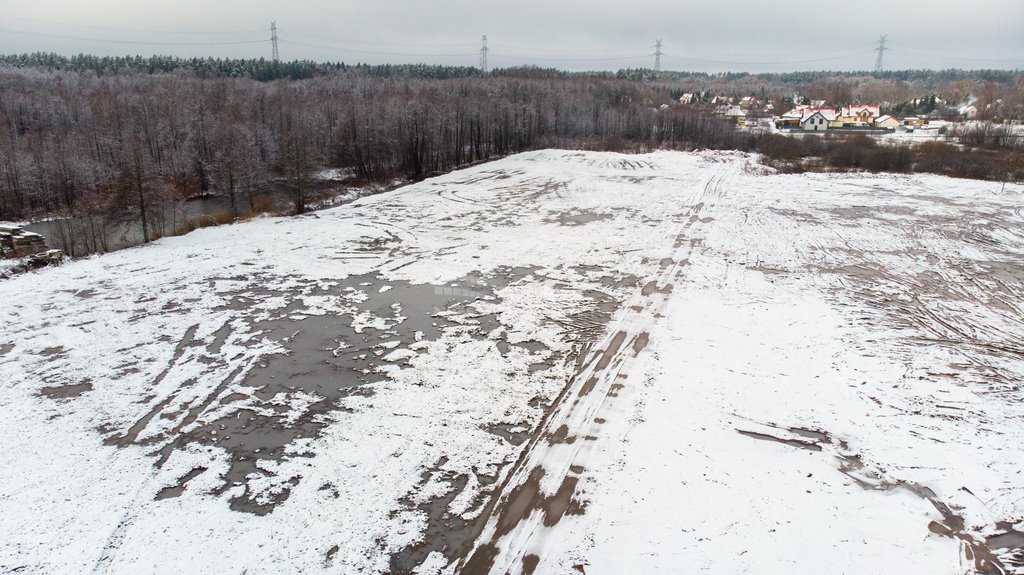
78	236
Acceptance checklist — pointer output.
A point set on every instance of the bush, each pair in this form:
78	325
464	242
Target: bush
850	153
936	157
776	148
889	159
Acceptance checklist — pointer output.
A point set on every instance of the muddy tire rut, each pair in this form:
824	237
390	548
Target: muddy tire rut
545	483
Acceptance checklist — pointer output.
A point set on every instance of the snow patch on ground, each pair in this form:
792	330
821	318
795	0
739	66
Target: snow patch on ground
816	366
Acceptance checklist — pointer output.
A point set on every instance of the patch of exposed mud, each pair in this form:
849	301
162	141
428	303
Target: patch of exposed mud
515	434
326	358
1009	538
874	211
66	391
179	488
576	217
651	288
811	445
445	531
583	329
522	501
978	551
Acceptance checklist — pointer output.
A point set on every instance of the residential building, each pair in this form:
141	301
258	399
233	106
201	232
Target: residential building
817	119
887	122
734	113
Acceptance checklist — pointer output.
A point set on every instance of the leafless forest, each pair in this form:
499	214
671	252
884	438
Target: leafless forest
103	149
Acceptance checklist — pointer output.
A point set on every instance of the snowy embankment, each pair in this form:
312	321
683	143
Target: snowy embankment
555	362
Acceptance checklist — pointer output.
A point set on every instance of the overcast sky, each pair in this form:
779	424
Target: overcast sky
705	35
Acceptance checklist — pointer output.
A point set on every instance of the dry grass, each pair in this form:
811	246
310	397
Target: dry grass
217	218
260	205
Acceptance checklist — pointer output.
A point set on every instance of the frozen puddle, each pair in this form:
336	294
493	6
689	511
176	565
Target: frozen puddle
561	362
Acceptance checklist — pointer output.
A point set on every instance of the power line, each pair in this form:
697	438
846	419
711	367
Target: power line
881	53
485	52
514	53
520	48
392	44
737	59
858	49
510	57
483	55
1005	57
904	47
372	52
344	45
769	62
273	40
135	30
132	42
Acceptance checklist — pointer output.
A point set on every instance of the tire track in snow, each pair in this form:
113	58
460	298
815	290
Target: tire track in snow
542	486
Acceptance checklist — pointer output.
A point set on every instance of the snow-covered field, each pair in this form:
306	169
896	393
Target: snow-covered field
560	362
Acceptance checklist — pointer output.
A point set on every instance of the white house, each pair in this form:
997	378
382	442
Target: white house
734	113
688	98
817	119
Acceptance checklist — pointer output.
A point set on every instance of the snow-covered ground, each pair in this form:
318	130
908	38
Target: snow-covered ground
559	362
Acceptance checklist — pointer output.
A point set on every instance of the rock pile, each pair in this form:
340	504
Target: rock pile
21	251
15	242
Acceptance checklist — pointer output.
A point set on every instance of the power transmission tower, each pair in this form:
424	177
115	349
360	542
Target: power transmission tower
881	52
657	56
273	39
483	55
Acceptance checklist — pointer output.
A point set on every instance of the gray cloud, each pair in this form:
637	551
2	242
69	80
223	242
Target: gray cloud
745	35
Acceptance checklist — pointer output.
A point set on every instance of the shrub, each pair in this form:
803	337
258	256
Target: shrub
889	159
850	153
776	147
936	157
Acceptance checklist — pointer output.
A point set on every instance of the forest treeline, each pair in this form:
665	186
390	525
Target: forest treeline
267	70
256	68
103	149
130	145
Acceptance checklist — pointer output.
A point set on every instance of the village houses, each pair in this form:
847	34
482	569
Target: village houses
814	118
